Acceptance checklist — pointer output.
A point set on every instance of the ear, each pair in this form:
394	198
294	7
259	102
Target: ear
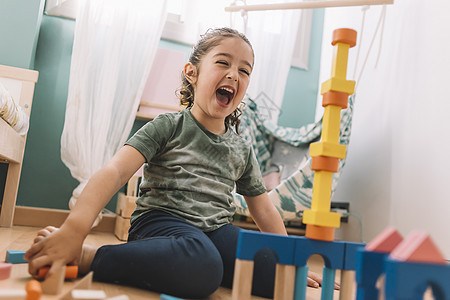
190	72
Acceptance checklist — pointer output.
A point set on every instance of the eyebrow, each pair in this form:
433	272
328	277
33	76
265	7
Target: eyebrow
230	56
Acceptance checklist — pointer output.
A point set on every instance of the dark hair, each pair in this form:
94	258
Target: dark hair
209	40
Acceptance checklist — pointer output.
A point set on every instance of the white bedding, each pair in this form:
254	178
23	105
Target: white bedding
12	113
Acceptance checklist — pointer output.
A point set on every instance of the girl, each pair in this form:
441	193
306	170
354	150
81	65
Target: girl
181	241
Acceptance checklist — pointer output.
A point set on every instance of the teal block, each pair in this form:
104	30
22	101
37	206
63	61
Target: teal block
15	257
167	297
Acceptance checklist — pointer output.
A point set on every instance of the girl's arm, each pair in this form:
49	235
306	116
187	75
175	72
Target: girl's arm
265	215
64	246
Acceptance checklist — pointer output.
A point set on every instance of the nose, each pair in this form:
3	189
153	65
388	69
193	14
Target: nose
232	75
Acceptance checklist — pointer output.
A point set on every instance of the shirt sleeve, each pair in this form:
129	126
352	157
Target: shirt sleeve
251	183
152	137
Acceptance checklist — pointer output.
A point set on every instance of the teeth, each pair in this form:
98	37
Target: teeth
228	90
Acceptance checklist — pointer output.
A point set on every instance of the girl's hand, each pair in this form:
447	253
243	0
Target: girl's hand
53	247
315	280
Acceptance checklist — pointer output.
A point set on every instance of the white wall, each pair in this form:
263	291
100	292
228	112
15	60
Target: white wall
398	165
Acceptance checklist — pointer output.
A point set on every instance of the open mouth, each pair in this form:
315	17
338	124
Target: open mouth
224	95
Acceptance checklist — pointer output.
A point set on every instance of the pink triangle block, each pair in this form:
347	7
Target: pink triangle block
418	247
386	241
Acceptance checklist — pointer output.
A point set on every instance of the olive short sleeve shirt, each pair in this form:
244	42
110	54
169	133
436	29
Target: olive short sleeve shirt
191	172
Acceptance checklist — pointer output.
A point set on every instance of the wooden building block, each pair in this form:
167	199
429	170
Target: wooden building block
284	282
242	281
88	294
15	257
331	122
71	272
53	283
84	283
327	149
132	186
386	241
418	247
338	85
5	270
33	289
120	297
121	228
12	294
125	205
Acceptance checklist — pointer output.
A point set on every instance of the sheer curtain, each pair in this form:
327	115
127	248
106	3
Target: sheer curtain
273	35
114	46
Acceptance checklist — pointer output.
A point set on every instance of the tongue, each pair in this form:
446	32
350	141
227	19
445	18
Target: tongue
222	98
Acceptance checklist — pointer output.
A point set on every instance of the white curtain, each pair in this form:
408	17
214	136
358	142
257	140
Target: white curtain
114	46
273	35
396	172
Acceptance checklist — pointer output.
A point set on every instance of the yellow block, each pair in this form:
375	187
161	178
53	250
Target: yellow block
340	58
321	191
323	148
338	85
322	218
331	124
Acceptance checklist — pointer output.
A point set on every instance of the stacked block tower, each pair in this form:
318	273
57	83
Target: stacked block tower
320	221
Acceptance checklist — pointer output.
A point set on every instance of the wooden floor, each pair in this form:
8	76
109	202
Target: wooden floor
20	238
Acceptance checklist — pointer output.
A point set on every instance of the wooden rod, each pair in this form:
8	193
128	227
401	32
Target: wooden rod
306	4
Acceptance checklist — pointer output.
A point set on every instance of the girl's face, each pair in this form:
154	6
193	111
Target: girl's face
220	82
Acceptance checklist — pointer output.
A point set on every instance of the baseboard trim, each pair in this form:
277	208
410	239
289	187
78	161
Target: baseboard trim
41	217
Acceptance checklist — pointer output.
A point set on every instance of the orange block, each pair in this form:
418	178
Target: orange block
386	241
335	98
345	36
418	247
321	233
325	163
71	272
34	290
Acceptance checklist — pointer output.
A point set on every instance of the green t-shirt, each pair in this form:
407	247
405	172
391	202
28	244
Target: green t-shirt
191	172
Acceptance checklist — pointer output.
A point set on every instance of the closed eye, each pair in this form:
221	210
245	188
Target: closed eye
245	72
222	62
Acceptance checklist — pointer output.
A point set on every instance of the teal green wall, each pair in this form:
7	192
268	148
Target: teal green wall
299	103
19	28
45	180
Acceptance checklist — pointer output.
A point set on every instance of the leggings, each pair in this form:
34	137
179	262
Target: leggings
167	255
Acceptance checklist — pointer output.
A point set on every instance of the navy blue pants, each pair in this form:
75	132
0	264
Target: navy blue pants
168	255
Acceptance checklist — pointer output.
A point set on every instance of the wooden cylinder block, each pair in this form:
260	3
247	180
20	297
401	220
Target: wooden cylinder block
345	36
321	233
71	272
335	98
325	163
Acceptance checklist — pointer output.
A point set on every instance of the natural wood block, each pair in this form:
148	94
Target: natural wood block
84	283
53	283
125	205
132	186
284	282
242	281
122	227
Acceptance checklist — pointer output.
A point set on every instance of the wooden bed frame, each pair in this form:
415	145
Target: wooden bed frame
12	145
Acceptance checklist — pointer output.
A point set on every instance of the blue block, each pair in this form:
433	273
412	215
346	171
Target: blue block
350	255
369	267
15	257
250	242
328	284
331	252
408	280
167	297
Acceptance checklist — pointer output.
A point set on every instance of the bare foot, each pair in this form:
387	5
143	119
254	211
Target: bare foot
87	251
